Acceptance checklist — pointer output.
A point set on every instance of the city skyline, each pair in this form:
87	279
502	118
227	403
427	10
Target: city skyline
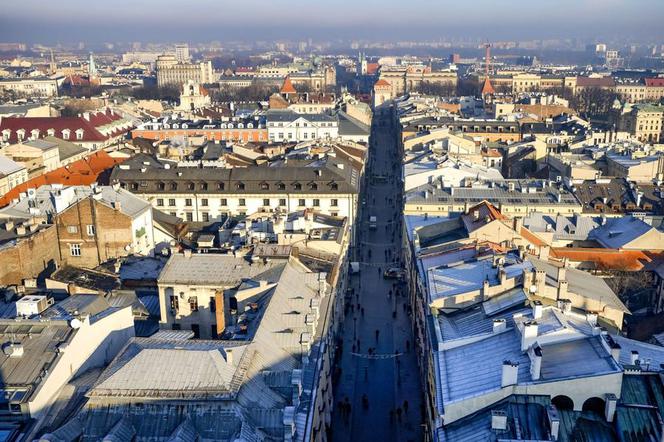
152	20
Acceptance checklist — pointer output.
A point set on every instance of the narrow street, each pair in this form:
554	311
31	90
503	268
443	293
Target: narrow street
378	393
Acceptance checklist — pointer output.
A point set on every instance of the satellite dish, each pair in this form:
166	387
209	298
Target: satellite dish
75	323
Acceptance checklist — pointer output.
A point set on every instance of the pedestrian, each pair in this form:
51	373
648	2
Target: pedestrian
405	406
377	333
362	310
399	414
394	314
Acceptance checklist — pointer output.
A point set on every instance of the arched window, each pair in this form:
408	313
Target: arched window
595	405
563	402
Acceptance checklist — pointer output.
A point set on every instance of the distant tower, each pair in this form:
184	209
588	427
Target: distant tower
52	66
487	88
92	67
182	53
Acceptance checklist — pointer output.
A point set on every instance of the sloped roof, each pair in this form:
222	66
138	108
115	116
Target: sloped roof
487	88
382	84
287	87
79	173
610	259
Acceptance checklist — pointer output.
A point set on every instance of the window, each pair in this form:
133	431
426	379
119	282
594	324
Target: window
282	201
313	186
190	216
265	186
161	186
175	302
223	202
281	186
191	186
297	186
193	304
205	216
75	249
240	186
72	229
301	202
316	202
221	186
174	186
334	186
134	186
213	304
173	214
242	202
187	202
171	202
204	186
160	202
334	202
204	202
266	201
90	229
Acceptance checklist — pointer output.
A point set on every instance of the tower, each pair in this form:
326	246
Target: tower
92	68
487	88
52	66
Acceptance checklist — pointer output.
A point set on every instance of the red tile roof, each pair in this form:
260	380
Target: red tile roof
58	124
655	82
287	87
609	259
79	173
531	237
595	81
372	68
487	88
382	84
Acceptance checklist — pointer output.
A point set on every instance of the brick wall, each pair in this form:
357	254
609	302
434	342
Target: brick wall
112	232
29	257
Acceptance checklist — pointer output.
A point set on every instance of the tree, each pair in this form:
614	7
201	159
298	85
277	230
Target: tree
437	89
168	93
593	102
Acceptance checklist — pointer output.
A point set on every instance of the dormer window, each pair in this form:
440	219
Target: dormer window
6	134
297	186
313	186
50	132
265	186
174	186
334	186
230	125
281	186
79	134
191	186
240	126
221	186
161	186
240	186
20	134
65	134
34	133
204	186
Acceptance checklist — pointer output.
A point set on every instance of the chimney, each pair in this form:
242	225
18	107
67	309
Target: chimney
537	309
86	115
289	423
229	356
544	253
528	334
535	354
502	274
518	223
565	305
591	317
499	325
510	374
610	404
634	357
554	421
562	271
498	420
562	290
639	197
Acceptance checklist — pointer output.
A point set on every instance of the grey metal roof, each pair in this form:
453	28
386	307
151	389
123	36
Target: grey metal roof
618	232
212	269
288	116
576	227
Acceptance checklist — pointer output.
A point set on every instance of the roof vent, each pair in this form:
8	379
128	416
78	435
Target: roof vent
13	350
498	420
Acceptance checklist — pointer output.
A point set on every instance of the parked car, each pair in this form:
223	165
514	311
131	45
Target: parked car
394	273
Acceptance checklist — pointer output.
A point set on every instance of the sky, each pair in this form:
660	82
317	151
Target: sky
97	21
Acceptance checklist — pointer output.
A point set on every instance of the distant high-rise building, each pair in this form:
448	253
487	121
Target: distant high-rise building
182	53
92	67
455	58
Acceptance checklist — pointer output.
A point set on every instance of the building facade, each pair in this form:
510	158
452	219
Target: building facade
170	71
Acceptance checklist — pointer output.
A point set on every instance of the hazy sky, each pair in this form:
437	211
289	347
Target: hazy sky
204	20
